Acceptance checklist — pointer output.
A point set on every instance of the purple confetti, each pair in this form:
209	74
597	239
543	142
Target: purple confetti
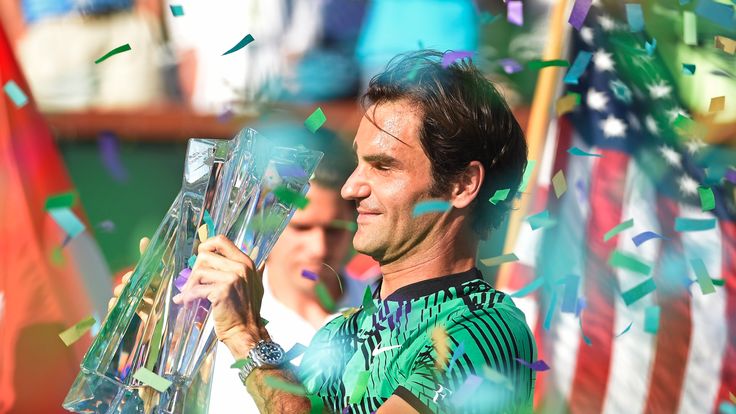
310	275
109	152
535	366
107	226
582	304
181	280
515	13
450	57
647	235
731	175
510	66
580	187
290	170
579	13
225	116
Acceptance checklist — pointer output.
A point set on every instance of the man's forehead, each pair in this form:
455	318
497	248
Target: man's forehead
387	126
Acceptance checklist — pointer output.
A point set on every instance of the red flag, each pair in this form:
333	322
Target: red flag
39	296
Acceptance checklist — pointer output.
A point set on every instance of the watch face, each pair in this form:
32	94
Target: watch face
270	353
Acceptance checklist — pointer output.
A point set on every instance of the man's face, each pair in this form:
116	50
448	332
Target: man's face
390	179
311	240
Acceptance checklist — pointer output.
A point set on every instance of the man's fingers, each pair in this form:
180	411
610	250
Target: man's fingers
143	245
222	245
193	293
215	261
111	303
118	290
126	278
208	276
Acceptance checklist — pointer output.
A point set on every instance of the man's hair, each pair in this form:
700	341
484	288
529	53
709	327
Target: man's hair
338	161
464	118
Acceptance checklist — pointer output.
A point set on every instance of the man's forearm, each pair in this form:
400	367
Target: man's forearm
273	400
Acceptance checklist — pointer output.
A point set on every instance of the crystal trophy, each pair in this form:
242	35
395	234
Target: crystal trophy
245	189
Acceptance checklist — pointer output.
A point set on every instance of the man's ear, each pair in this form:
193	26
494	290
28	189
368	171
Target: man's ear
467	186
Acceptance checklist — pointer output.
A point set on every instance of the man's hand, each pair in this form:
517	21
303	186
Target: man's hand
227	277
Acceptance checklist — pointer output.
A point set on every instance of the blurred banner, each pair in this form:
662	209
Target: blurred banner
52	274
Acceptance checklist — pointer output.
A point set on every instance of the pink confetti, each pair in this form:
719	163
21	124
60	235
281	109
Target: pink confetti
515	13
510	66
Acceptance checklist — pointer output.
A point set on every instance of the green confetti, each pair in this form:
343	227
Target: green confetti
625	261
210	224
499	195
431	206
67	220
119	49
539	64
315	120
288	196
688	69
527	175
688	224
191	261
559	183
57	256
241	44
63	200
689	28
580	153
541	220
704	280
152	379
240	363
618	229
15	93
497	260
368	304
360	387
177	10
707	199
282	385
155	345
651	319
72	335
317	405
531	287
323	295
639	291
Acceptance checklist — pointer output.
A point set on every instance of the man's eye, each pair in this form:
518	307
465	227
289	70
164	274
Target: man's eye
381	167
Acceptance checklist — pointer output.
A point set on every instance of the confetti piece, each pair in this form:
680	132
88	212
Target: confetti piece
176	10
486	17
15	93
72	335
585	337
639	291
109	148
539	365
459	351
202	233
288	196
725	44
707	199
155	345
732	397
182	278
567	103
152	379
191	261
368	304
497	260
717	104
241	44
294	352
466	390
624	261
688	224
441	347
309	275
626	330
726	407
316	403
279	384
57	256
635	17
499	195
315	120
119	49
539	64
688	69
650	47
570	295
344	224
718	13
530	164
618	229
349	312
730	175
515	13
550	311
651	319
704	280
494	376
239	363
510	66
107	226
541	220
63	200
67	220
360	386
580	153
210	223
324	297
431	206
689	28
450	57
579	13
580	306
640	238
578	67
531	287
559	183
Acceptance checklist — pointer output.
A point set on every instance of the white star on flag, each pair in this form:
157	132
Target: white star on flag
651	125
596	100
672	157
603	61
687	185
694	145
606	22
586	33
659	90
613	127
676	110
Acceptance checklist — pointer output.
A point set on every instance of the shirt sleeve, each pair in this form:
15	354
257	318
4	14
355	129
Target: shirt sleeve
482	373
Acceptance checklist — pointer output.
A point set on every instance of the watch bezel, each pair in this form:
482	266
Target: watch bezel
260	356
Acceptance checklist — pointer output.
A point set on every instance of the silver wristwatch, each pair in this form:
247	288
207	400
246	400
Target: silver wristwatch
266	354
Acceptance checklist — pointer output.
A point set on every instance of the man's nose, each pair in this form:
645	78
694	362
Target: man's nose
356	187
317	245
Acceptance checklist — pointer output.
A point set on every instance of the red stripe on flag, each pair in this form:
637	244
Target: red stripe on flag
728	273
608	181
675	325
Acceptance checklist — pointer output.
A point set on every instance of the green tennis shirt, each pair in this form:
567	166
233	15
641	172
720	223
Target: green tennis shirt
448	344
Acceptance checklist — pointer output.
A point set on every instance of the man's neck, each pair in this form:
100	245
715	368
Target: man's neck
449	254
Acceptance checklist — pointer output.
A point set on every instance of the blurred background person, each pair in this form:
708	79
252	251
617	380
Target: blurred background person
58	41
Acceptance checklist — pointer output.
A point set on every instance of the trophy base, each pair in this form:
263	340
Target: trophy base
98	394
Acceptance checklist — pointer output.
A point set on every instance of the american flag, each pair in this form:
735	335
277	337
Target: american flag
674	349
